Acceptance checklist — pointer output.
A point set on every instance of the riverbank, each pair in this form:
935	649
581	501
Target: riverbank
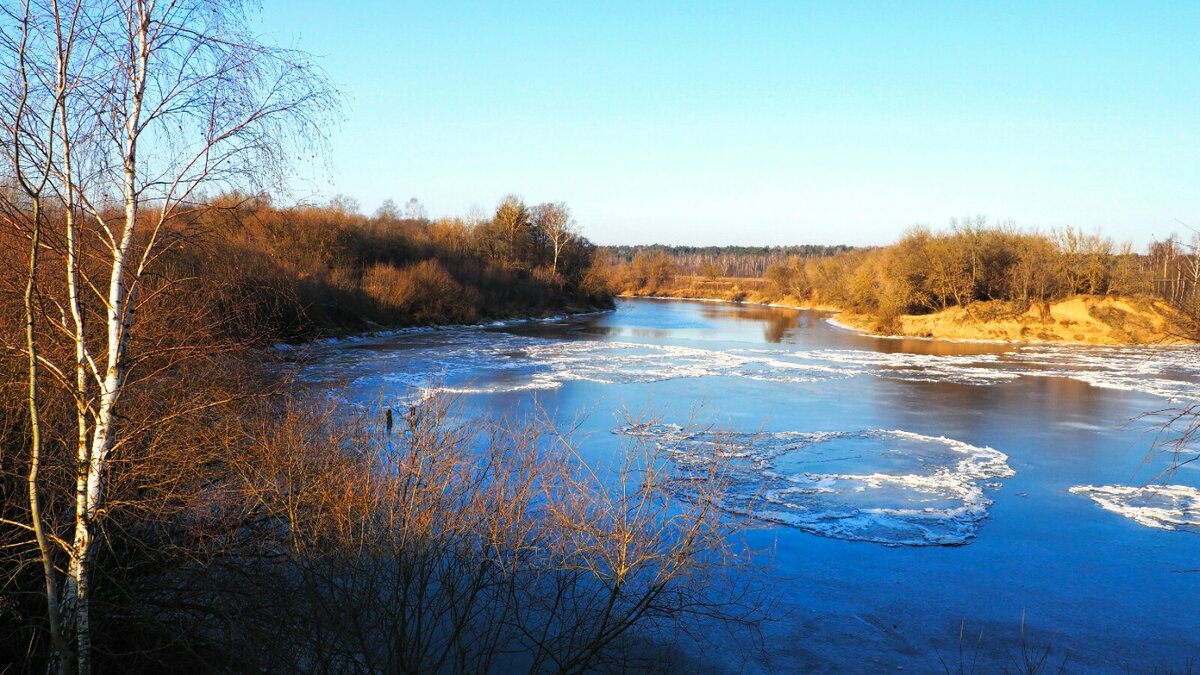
383	333
1082	319
360	326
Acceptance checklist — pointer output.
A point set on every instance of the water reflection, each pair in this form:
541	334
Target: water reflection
1052	412
780	322
936	347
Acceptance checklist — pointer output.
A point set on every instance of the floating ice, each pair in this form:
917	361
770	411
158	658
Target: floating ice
888	487
1169	372
486	361
1168	507
472	361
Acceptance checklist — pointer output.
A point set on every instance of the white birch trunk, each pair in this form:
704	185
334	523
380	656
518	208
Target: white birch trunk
119	316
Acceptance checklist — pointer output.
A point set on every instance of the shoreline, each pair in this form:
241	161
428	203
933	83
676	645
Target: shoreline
384	333
778	305
832	321
1166	339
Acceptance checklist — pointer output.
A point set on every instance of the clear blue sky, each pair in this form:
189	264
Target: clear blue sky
767	122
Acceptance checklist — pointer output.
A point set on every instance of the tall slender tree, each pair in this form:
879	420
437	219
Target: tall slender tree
553	220
512	220
127	108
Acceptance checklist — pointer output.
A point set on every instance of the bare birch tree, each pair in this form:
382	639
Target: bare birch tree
36	42
127	108
554	221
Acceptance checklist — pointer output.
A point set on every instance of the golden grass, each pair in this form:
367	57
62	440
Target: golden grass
1082	319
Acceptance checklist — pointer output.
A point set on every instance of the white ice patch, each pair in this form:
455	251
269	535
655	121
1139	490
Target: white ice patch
1169	372
485	361
962	369
888	487
1168	507
499	388
478	362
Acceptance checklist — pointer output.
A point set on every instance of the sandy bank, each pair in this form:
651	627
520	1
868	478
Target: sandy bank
1083	319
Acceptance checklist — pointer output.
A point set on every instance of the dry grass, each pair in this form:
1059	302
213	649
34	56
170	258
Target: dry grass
1082	319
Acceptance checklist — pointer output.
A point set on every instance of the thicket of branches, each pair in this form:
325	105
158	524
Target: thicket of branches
306	271
114	114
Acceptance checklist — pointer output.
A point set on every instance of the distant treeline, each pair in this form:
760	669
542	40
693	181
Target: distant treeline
927	270
304	271
724	261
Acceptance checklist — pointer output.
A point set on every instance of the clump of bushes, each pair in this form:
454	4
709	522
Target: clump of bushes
646	274
301	272
424	291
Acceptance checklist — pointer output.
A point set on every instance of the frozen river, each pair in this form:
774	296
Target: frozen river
909	487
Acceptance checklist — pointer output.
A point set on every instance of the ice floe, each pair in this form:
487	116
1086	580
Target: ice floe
488	361
895	488
1168	507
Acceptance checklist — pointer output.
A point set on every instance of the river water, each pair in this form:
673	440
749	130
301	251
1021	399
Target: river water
931	504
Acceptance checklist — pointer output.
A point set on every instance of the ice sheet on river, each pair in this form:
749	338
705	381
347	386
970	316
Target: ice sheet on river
484	361
889	487
489	362
1167	507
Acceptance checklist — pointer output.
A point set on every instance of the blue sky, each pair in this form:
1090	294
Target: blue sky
767	122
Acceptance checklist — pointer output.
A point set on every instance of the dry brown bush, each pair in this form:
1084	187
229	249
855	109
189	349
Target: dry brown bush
425	291
548	277
450	544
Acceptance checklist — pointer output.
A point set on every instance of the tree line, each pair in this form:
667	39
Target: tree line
972	261
305	271
925	271
722	261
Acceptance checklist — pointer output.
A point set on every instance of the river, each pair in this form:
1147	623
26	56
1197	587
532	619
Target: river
911	489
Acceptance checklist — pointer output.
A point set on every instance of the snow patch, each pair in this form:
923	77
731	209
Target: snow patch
1167	507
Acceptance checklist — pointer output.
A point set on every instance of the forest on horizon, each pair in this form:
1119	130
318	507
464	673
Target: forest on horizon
928	270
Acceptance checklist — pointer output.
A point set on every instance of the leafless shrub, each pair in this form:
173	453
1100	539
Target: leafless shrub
461	545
